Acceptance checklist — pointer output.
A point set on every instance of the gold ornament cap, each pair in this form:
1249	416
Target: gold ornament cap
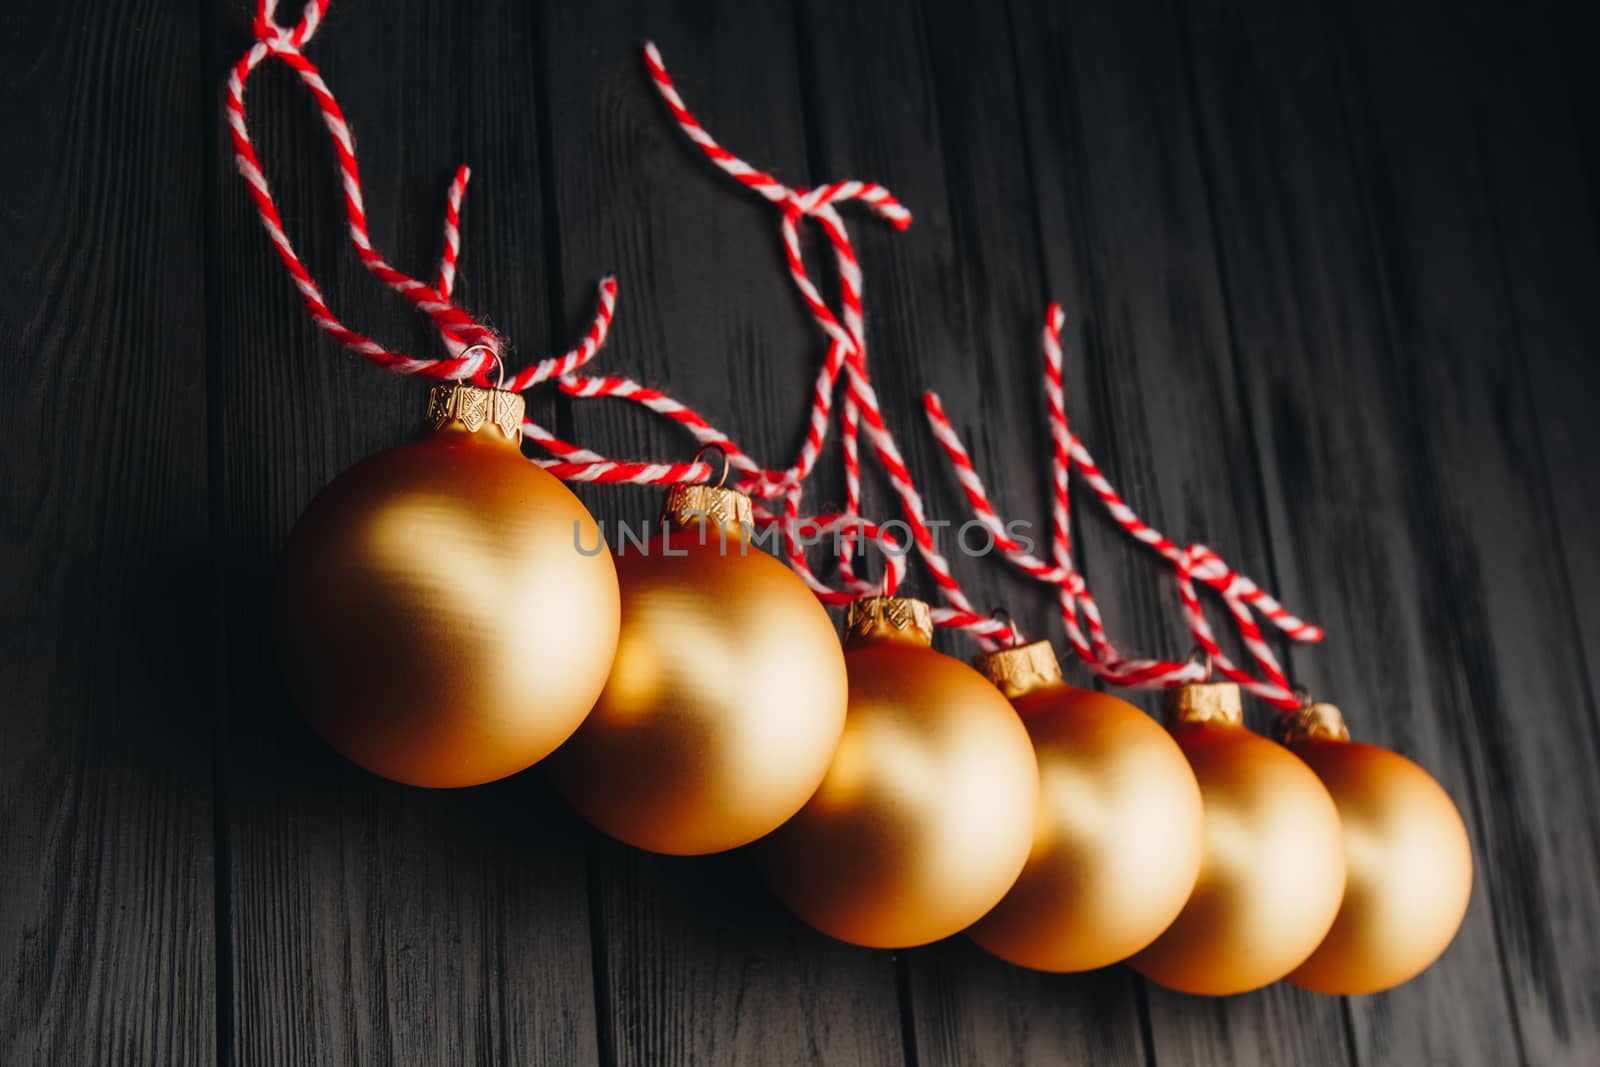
888	618
1205	702
726	509
460	406
1314	722
1022	669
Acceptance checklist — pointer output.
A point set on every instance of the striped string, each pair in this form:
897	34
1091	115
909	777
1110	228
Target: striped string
474	348
460	331
847	354
1243	598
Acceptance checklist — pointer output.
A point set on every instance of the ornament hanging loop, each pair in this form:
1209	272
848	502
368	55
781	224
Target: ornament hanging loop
494	356
722	455
1004	617
1199	657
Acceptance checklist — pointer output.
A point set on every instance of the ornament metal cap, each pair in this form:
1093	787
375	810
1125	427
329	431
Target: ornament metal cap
888	618
1022	669
1311	722
710	504
458	405
1205	702
725	509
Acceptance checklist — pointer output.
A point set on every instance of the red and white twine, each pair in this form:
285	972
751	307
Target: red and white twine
1242	597
779	491
474	348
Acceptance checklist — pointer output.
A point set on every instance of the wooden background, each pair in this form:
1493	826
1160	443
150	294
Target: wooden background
1331	271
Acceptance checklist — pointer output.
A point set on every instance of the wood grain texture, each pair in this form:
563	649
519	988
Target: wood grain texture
1318	356
1130	250
1545	216
371	922
697	963
1495	581
106	876
1330	271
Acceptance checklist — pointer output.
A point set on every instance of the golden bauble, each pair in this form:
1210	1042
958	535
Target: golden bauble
1273	871
1118	843
1410	864
438	621
727	696
926	816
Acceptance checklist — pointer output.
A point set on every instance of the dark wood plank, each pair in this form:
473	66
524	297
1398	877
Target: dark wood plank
1332	280
1541	189
1494	554
908	95
106	857
1130	249
1570	24
371	922
1354	529
697	963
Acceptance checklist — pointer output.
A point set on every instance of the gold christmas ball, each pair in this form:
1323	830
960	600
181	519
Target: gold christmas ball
1410	864
727	696
1273	869
926	815
1118	842
441	615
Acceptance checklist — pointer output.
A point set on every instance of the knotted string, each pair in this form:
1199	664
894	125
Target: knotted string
473	346
1079	613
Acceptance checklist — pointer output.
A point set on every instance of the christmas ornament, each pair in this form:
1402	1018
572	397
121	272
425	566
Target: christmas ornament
438	621
1118	843
926	815
1409	861
727	696
1273	873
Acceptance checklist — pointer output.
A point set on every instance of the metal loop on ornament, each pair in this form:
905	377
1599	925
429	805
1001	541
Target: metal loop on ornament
493	355
1302	697
1199	656
720	451
1002	615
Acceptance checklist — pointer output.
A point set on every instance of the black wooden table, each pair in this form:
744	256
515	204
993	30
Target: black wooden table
1331	273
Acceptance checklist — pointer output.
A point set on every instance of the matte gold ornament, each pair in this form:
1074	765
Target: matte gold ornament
438	621
1273	872
1118	844
926	816
1410	864
727	696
